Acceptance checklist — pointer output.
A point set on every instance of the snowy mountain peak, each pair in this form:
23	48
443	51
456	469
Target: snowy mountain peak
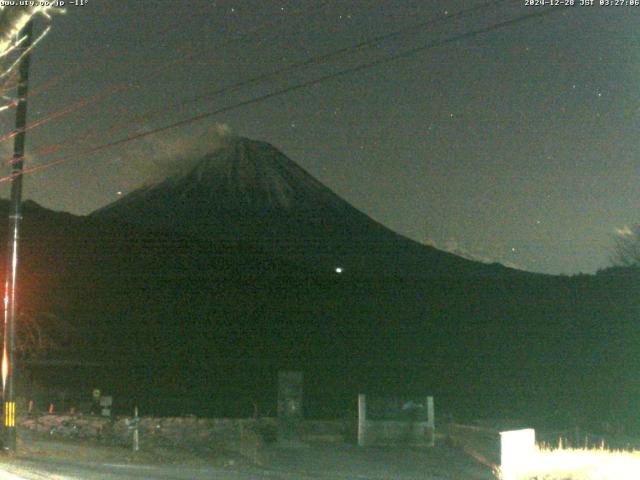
248	191
243	175
249	173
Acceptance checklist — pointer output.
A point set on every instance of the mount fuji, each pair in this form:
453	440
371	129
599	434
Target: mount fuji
205	284
248	191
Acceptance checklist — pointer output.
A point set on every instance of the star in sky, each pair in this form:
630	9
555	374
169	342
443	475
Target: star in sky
475	176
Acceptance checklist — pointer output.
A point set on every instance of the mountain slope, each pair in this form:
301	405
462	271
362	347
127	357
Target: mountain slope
249	191
222	276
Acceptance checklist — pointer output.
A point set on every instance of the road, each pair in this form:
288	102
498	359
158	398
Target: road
69	470
308	463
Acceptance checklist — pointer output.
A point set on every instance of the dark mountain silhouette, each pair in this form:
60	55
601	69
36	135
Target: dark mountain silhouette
250	191
195	291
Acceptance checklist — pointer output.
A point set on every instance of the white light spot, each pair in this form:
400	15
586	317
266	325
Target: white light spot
119	193
624	231
339	270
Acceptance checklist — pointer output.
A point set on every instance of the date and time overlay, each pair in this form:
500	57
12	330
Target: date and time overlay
581	3
43	3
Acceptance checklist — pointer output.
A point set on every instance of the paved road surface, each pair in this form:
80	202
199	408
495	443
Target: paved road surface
68	470
305	463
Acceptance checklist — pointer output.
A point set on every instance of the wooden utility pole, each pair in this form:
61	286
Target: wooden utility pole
15	218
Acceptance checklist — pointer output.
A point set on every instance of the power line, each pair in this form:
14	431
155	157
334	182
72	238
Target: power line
315	60
365	66
128	84
96	97
91	132
113	54
94	60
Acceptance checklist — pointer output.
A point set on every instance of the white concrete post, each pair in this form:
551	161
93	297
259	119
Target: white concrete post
362	419
136	431
431	421
517	451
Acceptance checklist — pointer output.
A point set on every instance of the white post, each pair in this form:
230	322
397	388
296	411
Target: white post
431	421
136	432
362	419
517	451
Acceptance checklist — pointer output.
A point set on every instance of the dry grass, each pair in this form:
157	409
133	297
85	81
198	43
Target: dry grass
577	464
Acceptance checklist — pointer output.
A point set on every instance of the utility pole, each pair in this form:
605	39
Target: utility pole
15	218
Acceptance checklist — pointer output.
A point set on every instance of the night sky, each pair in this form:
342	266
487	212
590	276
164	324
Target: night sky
518	145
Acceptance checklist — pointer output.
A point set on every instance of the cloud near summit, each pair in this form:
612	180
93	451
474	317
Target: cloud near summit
159	157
